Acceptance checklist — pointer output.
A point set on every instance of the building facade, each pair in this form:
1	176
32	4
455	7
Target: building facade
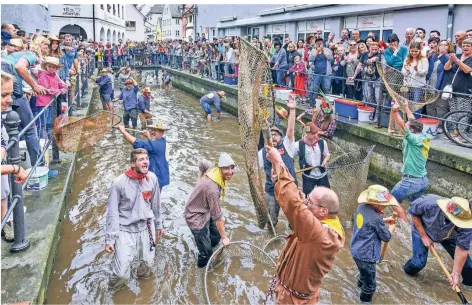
98	22
154	18
299	21
135	23
31	18
208	15
171	21
188	22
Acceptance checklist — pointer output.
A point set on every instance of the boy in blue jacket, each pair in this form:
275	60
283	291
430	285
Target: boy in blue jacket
369	232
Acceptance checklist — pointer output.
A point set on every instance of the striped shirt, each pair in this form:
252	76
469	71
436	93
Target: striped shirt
204	202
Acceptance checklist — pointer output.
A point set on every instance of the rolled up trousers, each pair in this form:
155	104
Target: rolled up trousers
128	246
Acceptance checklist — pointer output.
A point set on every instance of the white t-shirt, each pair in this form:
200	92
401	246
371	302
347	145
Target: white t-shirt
312	157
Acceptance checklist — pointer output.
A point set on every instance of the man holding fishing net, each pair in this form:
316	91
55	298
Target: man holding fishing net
316	238
203	209
283	145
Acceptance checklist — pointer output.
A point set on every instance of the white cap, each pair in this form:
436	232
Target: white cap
225	160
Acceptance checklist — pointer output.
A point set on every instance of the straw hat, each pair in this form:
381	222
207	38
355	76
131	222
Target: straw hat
49	60
147	90
160	125
104	70
54	38
377	194
457	209
221	93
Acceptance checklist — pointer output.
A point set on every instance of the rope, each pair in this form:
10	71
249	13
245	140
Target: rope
221	249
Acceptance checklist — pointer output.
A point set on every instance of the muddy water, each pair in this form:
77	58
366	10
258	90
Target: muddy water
81	269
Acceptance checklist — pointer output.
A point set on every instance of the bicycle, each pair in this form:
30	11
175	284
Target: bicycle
457	125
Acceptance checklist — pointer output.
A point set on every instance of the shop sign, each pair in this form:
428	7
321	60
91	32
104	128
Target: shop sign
231	32
369	22
278	28
313	26
71	10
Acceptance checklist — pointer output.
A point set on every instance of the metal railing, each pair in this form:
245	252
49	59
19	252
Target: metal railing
12	122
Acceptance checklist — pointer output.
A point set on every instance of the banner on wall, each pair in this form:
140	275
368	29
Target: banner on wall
312	26
369	22
278	28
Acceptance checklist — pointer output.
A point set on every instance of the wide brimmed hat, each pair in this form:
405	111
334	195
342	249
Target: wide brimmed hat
225	160
147	90
377	194
458	211
129	81
160	125
49	60
53	38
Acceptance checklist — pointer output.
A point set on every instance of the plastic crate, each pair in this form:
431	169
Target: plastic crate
230	79
347	108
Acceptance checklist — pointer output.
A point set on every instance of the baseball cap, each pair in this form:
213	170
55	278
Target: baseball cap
225	160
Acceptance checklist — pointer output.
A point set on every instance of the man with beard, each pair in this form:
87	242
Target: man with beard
283	145
203	209
134	221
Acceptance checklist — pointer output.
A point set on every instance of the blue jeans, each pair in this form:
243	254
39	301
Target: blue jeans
206	238
324	82
45	122
366	281
22	107
280	77
131	60
420	256
411	188
207	106
162	58
154	58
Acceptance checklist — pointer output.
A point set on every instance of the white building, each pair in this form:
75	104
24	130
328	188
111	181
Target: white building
98	22
171	22
154	17
135	23
188	22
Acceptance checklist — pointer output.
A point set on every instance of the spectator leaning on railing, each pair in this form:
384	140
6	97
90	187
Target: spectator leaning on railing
6	169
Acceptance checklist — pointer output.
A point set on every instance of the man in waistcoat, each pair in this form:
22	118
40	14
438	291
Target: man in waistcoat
282	144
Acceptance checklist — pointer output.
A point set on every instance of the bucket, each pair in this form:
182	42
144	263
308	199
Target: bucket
39	179
430	126
25	158
364	113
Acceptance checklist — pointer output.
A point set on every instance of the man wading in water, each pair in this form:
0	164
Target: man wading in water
212	98
134	221
156	146
203	209
316	239
284	147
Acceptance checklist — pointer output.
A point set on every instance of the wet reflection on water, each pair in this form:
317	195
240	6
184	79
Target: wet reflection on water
80	272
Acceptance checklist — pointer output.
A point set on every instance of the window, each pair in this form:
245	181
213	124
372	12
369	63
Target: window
177	33
213	32
381	25
130	25
108	7
190	19
119	11
177	21
102	6
311	27
276	30
114	10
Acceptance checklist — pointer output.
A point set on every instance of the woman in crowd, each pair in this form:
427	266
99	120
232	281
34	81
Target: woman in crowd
291	54
395	54
338	70
236	57
415	67
462	79
301	48
55	51
350	62
438	80
213	62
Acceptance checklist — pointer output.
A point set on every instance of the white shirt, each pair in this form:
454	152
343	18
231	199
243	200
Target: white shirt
230	55
288	148
312	157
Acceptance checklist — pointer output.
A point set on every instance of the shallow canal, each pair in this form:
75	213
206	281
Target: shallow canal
80	272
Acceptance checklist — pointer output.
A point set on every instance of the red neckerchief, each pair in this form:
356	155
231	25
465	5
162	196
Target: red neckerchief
308	144
133	175
378	210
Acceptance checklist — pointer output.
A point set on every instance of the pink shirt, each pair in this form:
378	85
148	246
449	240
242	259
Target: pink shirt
53	83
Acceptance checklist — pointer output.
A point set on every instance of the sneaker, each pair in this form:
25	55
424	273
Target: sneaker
52	173
7	233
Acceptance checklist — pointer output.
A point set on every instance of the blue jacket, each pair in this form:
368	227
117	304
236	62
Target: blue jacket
157	158
369	232
396	61
281	58
129	97
431	60
105	84
143	104
441	83
215	100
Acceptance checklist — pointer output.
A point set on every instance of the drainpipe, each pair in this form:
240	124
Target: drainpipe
450	21
93	21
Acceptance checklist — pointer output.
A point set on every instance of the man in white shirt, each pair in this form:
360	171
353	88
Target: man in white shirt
409	35
229	59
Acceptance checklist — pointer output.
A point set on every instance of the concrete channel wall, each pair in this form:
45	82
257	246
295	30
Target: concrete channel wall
449	174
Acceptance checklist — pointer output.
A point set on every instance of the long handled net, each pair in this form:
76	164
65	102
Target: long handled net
254	100
73	134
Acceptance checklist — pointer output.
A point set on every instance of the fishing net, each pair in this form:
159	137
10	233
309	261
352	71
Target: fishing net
405	89
72	134
233	273
348	177
255	97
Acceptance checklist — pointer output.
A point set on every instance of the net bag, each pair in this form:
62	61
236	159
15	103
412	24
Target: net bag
73	134
348	177
233	274
255	97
